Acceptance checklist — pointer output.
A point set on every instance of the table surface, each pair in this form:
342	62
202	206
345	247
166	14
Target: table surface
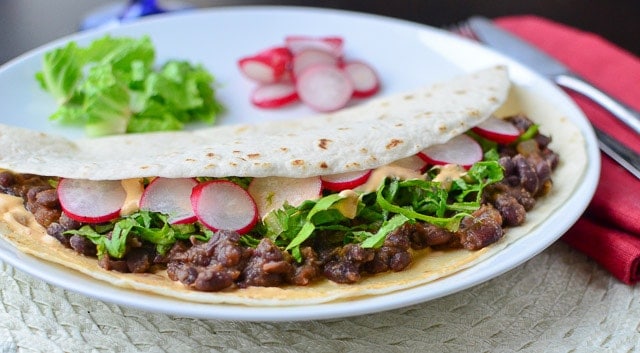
559	301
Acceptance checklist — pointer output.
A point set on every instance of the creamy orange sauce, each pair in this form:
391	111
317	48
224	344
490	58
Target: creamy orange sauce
379	174
134	189
15	215
448	173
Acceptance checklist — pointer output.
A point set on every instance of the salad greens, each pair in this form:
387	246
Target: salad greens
111	238
393	204
112	87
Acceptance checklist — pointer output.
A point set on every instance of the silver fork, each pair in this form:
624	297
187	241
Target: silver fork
626	157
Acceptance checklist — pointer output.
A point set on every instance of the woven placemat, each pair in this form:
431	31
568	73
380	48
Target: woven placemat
559	301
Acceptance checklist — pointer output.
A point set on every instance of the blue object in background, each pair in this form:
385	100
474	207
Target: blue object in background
131	10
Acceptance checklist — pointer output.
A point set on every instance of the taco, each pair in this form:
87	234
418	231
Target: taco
390	228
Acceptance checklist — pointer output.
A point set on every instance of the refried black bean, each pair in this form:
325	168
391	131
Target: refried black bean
424	235
208	266
268	266
223	262
82	245
512	212
484	227
308	270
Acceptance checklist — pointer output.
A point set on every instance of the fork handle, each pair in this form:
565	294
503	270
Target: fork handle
624	113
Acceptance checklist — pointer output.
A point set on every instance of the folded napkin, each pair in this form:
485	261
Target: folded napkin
609	230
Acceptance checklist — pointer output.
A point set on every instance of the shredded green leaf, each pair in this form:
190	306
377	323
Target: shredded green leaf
379	213
111	238
112	87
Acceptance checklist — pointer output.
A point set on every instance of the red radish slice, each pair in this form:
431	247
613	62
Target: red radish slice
223	205
497	130
171	197
343	181
274	95
268	66
324	88
364	78
311	57
461	150
331	44
271	193
414	163
91	201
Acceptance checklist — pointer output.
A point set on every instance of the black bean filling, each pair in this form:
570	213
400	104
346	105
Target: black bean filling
222	262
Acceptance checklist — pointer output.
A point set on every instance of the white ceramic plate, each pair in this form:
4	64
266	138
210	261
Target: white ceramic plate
406	55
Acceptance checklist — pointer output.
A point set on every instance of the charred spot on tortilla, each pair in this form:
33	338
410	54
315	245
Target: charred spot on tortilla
474	113
298	162
393	144
253	155
324	143
324	165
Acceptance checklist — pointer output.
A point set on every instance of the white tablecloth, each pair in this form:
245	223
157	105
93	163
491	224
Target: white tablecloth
559	301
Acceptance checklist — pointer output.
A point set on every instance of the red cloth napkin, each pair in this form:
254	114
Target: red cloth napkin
609	230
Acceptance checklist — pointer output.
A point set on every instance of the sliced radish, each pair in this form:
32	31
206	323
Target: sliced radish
343	181
91	201
331	44
270	65
497	130
311	57
461	150
272	193
414	163
364	78
324	88
274	95
171	197
223	205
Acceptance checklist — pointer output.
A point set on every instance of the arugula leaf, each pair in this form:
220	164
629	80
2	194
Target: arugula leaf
111	238
389	203
112	87
376	240
309	226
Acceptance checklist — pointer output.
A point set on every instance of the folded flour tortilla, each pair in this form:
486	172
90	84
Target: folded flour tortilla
366	136
362	137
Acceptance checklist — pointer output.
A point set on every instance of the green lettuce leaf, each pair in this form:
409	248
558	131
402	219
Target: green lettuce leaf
61	72
112	87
